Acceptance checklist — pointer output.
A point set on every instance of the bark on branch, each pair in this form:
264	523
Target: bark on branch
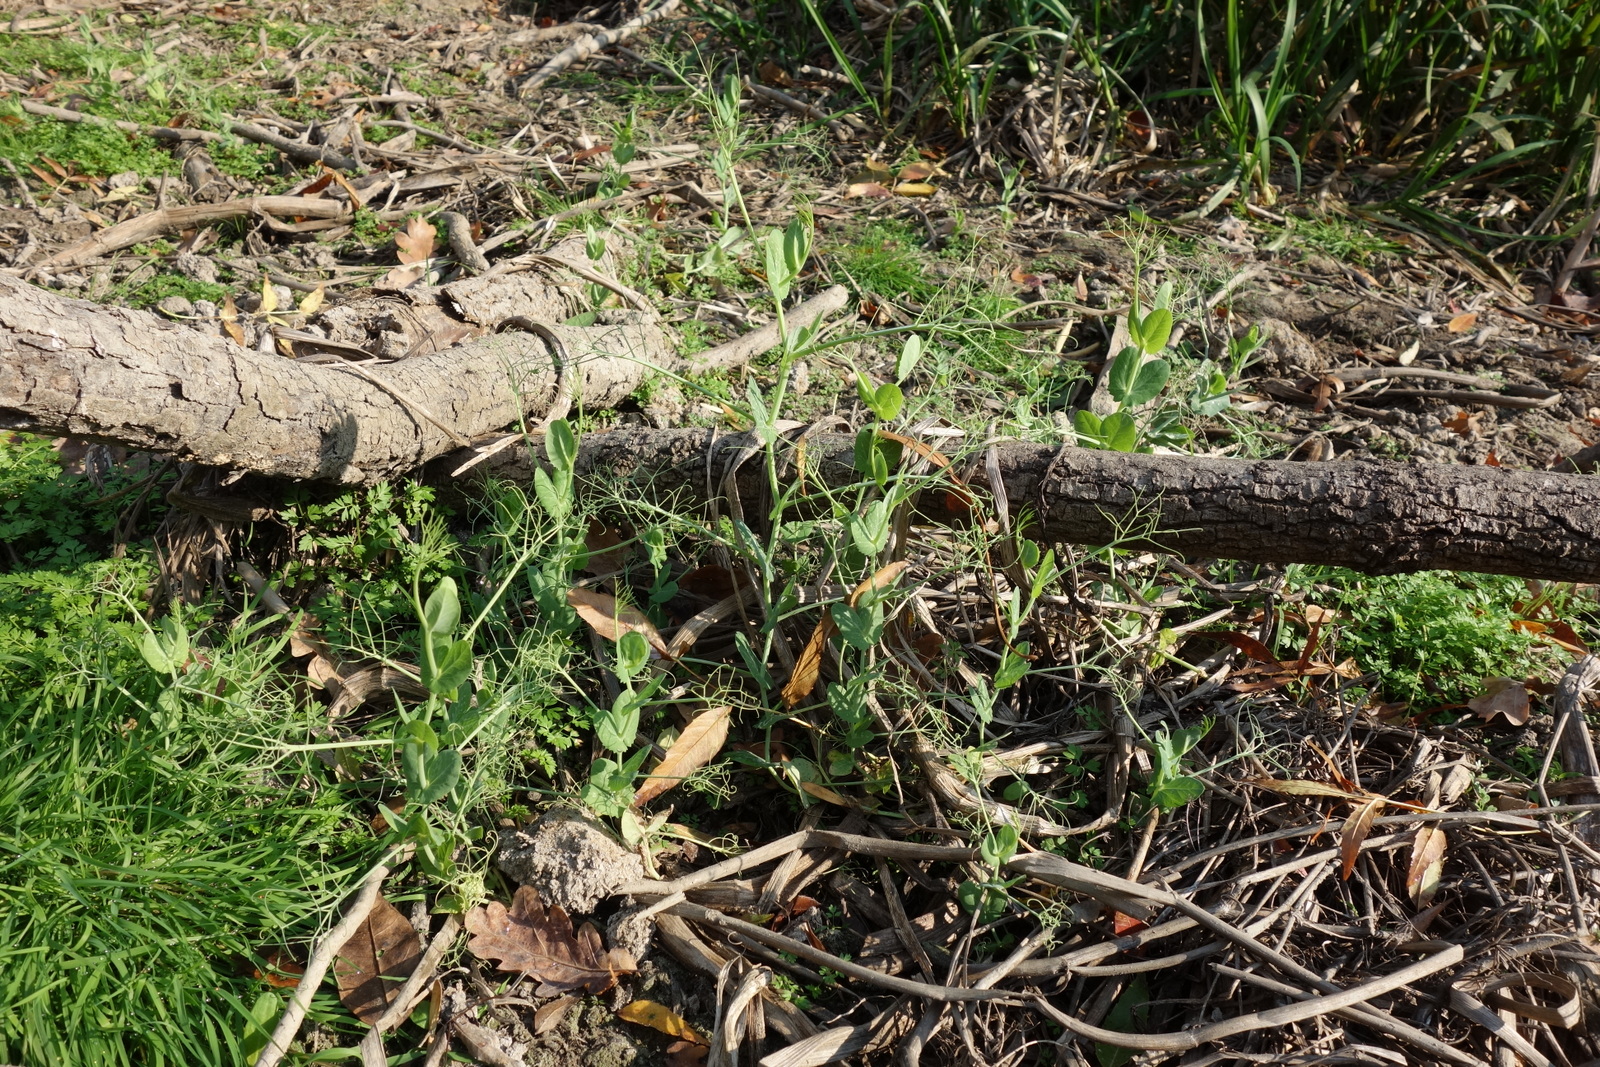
68	367
74	368
1374	516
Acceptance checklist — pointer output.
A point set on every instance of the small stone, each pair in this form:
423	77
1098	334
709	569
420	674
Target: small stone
176	307
569	858
200	268
800	378
205	309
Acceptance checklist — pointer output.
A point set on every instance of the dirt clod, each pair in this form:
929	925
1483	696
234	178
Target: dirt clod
569	858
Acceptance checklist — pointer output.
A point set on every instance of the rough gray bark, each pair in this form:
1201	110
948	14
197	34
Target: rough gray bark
78	369
1377	517
73	368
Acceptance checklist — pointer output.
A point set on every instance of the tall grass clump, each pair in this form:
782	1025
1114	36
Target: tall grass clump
1451	92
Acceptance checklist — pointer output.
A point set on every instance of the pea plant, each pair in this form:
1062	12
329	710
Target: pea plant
429	738
1137	376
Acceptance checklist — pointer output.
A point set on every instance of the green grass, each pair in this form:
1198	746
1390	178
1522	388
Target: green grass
153	844
1344	240
1457	94
1433	637
193	86
163	823
157	289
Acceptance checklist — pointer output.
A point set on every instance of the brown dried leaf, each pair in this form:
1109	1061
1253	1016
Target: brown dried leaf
772	74
807	668
917	172
402	277
416	242
686	1054
607	551
1502	696
321	670
699	743
610	619
1246	644
1026	279
712	581
1463	322
823	793
278	970
1297	787
541	943
868	189
230	320
1316	615
881	579
1427	864
312	302
660	1017
1356	829
355	196
548	1016
1561	633
306	638
872	171
375	963
938	459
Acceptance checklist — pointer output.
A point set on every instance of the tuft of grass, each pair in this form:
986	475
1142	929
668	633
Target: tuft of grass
158	288
1456	94
1344	240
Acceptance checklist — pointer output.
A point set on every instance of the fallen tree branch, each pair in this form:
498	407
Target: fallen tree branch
761	935
1282	1016
741	350
585	47
322	958
249	131
174	219
78	369
1373	516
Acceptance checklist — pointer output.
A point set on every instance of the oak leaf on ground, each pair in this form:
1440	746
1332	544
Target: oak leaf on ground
542	944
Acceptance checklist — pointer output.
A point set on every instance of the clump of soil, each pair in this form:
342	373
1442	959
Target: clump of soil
569	858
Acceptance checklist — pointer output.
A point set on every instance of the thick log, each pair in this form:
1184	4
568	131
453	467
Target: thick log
1373	516
73	368
77	369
